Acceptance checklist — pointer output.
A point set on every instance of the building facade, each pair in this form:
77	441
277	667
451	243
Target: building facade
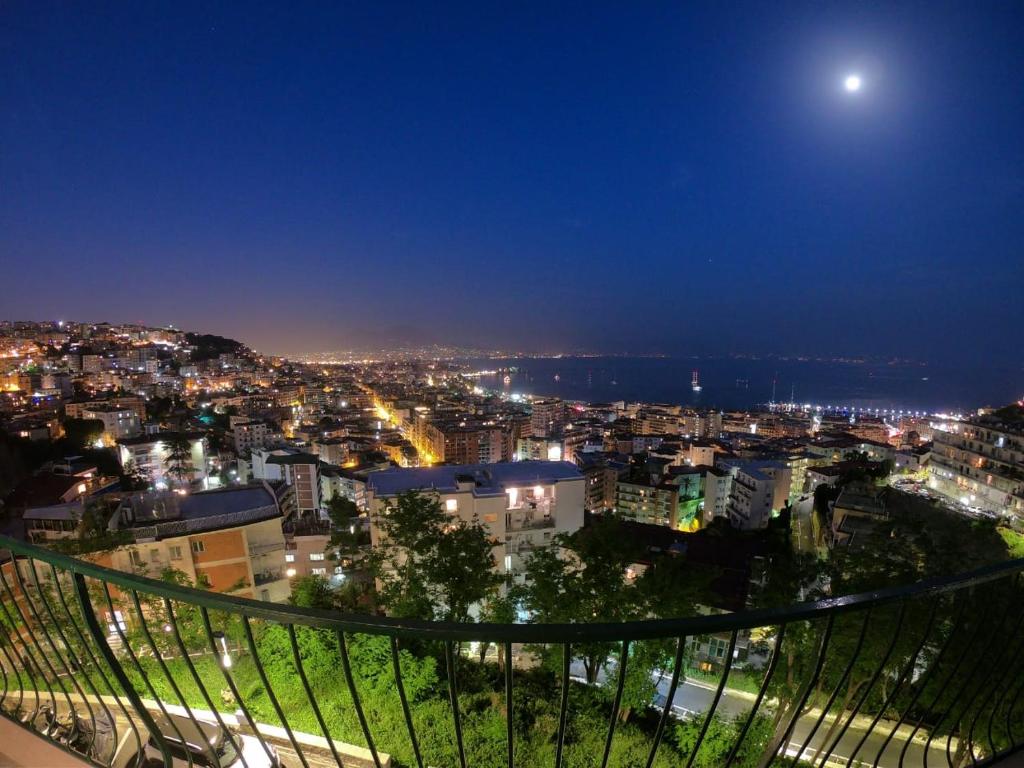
524	505
981	463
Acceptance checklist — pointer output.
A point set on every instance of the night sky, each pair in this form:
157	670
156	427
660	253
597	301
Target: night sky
619	177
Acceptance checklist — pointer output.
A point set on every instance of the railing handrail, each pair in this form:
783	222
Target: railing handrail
647	629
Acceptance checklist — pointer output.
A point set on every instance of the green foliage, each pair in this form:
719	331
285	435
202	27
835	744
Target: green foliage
179	459
209	346
347	536
133	478
1013	540
82	432
719	739
588	585
94	534
595	582
311	592
430	564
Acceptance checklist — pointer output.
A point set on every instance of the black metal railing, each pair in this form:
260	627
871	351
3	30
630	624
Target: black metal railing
129	671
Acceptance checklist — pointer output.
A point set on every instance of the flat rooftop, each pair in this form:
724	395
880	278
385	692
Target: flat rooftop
488	479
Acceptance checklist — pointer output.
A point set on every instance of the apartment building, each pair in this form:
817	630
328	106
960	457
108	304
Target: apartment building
523	504
532	448
307	549
601	472
229	540
657	422
717	483
300	471
332	450
547	417
469	442
701	423
150	453
249	435
136	404
701	454
981	462
118	421
647	501
419	429
758	488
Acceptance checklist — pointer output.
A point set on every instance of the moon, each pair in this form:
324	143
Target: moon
852	83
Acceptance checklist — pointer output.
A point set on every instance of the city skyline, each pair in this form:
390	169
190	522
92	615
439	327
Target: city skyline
689	181
521	384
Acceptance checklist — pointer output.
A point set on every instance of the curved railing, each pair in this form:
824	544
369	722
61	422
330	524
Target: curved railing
126	670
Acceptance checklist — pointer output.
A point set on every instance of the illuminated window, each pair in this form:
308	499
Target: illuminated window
452	505
316	555
319	571
289	558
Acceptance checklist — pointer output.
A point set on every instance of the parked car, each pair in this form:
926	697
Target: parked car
218	748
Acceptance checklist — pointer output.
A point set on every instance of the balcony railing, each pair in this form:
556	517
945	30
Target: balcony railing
122	669
265	577
258	550
532	523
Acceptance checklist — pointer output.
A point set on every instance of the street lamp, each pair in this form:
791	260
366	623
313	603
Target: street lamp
225	659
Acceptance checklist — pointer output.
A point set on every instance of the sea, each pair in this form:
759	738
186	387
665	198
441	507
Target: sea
744	383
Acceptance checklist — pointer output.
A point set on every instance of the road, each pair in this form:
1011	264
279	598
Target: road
692	699
802	526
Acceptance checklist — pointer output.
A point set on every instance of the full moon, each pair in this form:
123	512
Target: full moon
852	83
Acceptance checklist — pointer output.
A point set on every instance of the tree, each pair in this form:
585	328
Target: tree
312	592
889	662
94	532
792	577
133	478
82	433
590	584
187	619
499	609
430	564
347	536
179	460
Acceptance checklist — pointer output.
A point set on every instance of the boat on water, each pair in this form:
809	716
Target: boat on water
695	384
507	379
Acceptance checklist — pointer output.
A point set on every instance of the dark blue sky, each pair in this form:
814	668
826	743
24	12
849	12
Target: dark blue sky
611	176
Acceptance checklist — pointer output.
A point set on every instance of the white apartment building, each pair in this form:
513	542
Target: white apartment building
758	488
249	435
118	421
717	483
981	463
523	504
299	470
336	482
150	454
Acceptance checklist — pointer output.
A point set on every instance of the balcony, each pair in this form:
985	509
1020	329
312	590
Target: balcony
938	668
308	527
258	550
265	577
531	523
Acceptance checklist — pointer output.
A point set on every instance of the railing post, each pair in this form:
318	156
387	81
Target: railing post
82	593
